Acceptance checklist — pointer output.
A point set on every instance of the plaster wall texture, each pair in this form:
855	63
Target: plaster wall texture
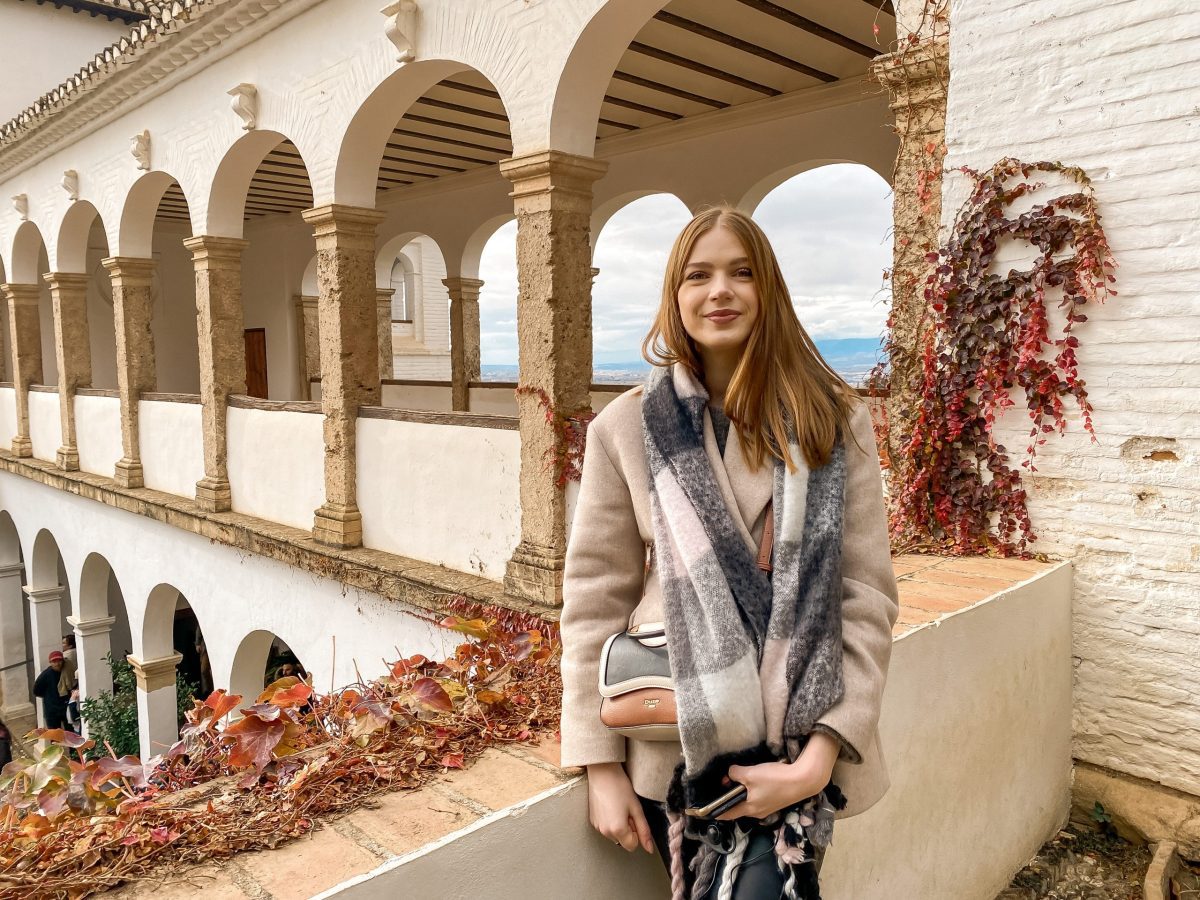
1112	88
98	431
1010	771
8	415
45	425
446	494
28	29
298	606
276	464
171	446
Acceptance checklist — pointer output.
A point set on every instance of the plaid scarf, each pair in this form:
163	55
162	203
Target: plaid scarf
756	658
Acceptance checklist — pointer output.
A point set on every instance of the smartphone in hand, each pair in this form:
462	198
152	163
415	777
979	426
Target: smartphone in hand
721	805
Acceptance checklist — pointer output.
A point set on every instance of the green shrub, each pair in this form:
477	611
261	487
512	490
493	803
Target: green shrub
112	717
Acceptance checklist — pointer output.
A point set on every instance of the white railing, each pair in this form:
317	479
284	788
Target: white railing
276	464
45	425
443	493
98	433
171	442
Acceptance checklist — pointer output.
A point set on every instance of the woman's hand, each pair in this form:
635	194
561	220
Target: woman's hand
614	809
772	786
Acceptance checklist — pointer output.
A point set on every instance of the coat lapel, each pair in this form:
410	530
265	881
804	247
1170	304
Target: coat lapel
746	493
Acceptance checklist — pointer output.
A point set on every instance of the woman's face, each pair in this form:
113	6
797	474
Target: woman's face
718	300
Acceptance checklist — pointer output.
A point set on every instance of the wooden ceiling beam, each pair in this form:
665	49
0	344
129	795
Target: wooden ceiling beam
454	142
458	126
642	107
443	154
737	43
814	28
685	63
668	89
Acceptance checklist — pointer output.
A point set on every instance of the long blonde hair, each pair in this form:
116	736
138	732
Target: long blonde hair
781	378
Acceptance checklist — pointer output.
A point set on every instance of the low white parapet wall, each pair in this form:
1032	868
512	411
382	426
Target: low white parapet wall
976	729
171	443
45	425
98	433
8	416
277	464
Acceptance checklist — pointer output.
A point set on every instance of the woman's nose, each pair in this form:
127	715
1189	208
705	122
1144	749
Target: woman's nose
718	286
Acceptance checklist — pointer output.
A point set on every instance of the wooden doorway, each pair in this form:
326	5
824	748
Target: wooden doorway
256	362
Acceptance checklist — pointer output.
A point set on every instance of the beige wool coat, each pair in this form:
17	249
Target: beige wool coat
602	594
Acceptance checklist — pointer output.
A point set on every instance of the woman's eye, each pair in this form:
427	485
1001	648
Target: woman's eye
744	273
694	276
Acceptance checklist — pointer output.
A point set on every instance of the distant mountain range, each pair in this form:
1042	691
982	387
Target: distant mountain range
852	358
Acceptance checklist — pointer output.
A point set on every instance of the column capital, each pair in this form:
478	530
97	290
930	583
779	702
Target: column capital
461	288
216	250
11	569
59	281
381	294
153	674
343	219
552	170
303	300
88	627
21	294
129	270
914	74
44	595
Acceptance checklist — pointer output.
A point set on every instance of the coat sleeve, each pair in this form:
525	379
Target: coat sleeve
602	585
870	602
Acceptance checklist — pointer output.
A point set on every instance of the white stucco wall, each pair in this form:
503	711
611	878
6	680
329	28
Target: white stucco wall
98	433
45	425
8	416
172	446
491	401
276	465
1112	87
446	494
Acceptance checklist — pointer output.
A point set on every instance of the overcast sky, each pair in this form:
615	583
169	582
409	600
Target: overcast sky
829	227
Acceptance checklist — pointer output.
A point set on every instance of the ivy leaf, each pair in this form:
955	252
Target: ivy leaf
432	695
453	761
476	628
253	739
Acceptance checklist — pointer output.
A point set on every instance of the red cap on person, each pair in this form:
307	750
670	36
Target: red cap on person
56	656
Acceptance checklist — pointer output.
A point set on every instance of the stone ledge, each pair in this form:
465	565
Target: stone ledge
420	584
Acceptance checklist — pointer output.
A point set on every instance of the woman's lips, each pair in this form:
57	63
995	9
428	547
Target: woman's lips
722	318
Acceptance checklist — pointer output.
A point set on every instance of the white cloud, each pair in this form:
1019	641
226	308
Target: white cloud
829	227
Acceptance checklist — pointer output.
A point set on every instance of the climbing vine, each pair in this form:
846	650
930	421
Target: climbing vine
989	340
570	436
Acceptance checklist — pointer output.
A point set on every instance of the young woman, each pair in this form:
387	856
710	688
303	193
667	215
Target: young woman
778	669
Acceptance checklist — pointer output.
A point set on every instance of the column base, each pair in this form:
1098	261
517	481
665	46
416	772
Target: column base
338	526
214	495
128	473
67	459
536	573
21	710
22	447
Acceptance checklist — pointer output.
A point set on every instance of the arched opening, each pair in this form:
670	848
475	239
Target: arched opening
49	606
35	325
263	657
498	305
409	274
631	253
155	221
831	229
260	188
16	653
82	245
108	700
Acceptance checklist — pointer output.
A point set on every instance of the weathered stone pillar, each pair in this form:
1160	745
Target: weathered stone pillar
553	199
218	265
383	311
135	354
93	641
158	711
14	675
347	312
45	628
25	345
917	79
310	337
464	337
73	352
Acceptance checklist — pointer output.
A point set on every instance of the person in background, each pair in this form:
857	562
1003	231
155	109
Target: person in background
54	705
68	681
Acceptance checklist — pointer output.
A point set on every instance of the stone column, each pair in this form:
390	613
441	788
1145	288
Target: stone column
25	345
347	312
14	674
135	354
553	200
310	336
92	643
221	334
917	79
158	710
464	338
387	364
45	628
73	352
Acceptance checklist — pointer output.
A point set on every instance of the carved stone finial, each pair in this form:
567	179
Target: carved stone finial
245	104
139	146
401	28
21	205
70	183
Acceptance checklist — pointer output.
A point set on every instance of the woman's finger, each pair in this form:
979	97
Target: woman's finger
641	827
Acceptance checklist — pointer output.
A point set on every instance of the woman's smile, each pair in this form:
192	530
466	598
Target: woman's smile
722	316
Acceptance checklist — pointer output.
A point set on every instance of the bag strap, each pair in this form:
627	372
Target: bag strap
766	545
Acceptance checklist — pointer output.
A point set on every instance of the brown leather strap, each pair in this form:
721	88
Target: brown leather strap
768	539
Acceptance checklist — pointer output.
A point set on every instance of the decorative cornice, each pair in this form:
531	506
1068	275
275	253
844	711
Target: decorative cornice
186	35
128	11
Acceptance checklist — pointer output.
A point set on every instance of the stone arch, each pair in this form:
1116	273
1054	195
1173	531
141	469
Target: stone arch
44	561
72	244
15	644
171	625
468	266
135	234
27	249
49	600
753	198
308	283
586	73
101	625
231	182
250	663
